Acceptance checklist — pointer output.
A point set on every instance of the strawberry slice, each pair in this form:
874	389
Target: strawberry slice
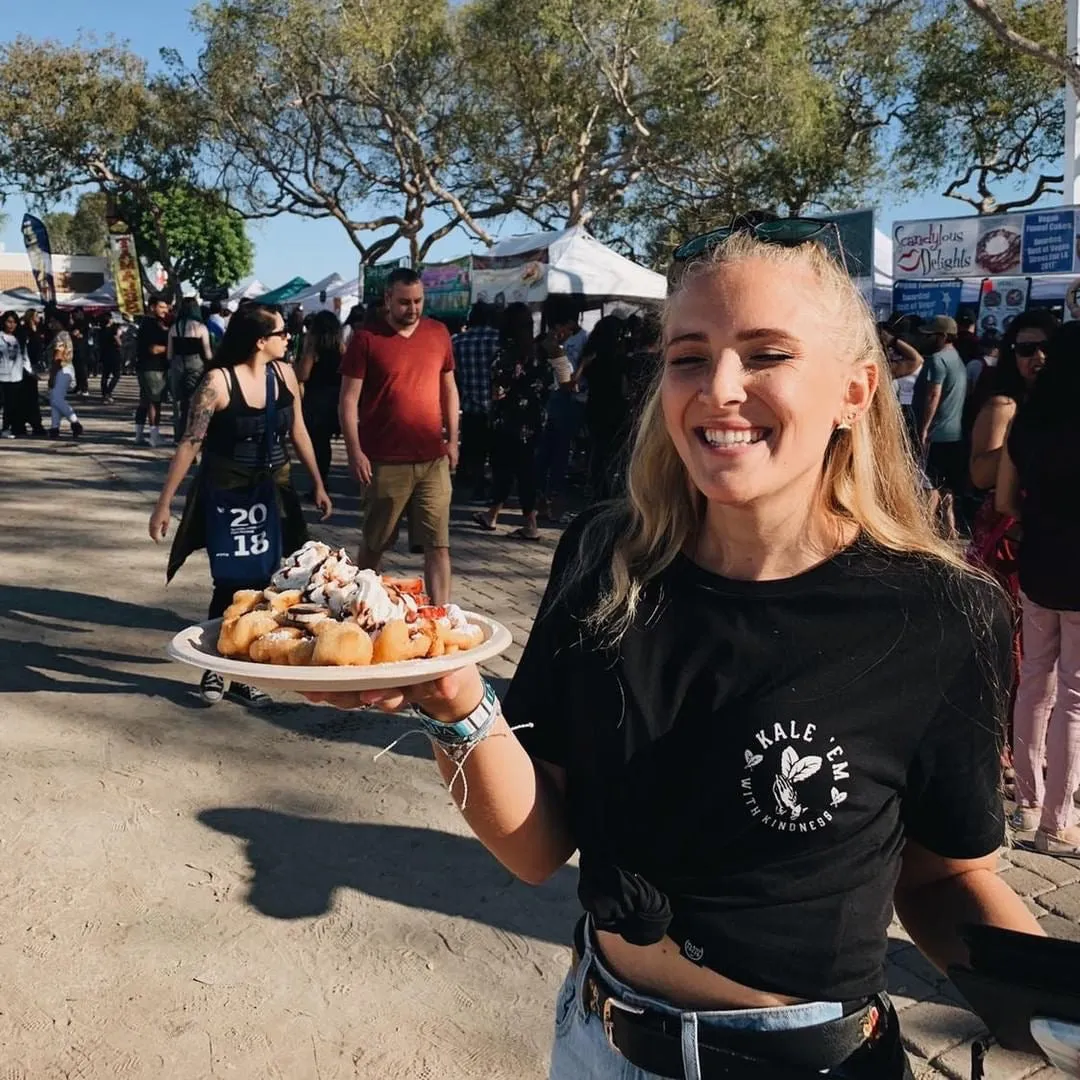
431	612
412	586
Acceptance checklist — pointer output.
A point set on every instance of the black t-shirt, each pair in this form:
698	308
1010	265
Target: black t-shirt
1047	462
743	770
151	332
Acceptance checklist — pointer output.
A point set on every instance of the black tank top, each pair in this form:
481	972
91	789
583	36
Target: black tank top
238	432
326	371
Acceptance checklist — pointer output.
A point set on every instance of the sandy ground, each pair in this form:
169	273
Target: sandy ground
212	893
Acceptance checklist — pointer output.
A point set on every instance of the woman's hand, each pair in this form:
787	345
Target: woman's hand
159	523
322	501
449	698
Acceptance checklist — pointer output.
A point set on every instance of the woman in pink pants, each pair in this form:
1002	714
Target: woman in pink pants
1039	482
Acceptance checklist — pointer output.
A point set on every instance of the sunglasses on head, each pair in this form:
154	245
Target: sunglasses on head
1028	349
769	229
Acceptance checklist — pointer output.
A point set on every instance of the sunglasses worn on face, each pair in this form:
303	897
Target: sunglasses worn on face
280	333
1027	349
786	232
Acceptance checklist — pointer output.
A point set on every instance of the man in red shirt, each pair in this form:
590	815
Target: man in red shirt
399	416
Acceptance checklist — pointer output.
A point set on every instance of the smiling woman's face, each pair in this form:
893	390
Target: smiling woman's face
755	381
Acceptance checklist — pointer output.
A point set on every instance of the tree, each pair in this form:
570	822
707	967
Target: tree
352	111
1055	58
92	116
641	118
207	240
984	115
84	232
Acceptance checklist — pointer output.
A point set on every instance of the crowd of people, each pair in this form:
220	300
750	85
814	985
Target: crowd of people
766	619
1001	461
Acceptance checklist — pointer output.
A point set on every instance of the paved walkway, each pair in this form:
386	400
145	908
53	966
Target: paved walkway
83	619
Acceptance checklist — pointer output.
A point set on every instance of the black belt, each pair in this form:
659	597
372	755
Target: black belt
652	1040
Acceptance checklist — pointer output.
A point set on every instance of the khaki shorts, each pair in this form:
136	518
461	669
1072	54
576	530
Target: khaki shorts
423	489
152	386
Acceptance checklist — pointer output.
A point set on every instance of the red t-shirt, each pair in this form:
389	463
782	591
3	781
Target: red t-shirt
400	404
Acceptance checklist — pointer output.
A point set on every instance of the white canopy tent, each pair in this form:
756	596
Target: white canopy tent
250	286
311	298
579	265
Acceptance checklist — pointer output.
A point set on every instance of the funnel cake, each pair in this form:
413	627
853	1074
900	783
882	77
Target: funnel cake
321	609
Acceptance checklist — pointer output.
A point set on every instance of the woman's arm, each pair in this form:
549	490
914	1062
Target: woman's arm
1007	486
987	439
209	397
516	806
911	362
302	441
305	363
169	352
936	896
207	344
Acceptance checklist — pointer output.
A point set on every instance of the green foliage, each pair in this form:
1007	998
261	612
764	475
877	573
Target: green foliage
207	240
983	115
83	232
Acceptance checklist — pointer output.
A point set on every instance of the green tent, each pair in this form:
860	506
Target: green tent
284	293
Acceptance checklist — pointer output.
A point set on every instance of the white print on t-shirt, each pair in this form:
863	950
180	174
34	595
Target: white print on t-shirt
792	780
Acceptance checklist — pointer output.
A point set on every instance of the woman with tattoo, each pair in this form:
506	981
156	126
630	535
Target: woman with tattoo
228	422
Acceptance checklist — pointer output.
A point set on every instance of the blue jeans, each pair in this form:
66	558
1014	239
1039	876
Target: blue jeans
581	1050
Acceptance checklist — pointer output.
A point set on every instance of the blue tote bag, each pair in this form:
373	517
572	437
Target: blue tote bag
243	525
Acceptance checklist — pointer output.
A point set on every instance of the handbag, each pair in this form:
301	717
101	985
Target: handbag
991	546
243	525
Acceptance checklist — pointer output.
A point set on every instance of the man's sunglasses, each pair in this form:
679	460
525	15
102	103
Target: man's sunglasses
1028	349
786	232
282	333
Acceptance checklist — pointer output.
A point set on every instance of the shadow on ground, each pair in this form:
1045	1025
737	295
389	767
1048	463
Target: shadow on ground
297	863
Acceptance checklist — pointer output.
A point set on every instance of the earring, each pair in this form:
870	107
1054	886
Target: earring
843	426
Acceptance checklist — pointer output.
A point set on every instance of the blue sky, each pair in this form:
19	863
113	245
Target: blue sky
285	246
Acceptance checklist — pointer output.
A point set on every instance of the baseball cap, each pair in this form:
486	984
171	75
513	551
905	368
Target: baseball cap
939	324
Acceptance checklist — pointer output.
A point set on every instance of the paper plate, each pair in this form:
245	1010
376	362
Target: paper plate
196	645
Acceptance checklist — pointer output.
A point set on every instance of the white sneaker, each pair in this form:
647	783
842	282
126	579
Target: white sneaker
1066	842
7	434
155	437
1026	818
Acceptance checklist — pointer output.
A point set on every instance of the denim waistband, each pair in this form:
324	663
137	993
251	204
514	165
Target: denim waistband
771	1018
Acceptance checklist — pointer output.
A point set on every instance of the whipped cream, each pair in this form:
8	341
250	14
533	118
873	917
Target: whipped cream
300	566
370	603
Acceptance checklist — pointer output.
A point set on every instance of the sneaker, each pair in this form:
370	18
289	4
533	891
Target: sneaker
155	438
54	433
7	434
212	687
250	696
1066	842
1026	818
76	429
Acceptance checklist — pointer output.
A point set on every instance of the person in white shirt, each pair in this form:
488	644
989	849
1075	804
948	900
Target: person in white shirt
13	364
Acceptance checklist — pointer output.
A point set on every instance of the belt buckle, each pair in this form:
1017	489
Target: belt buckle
609	1025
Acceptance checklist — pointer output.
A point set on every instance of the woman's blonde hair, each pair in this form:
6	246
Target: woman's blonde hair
869	477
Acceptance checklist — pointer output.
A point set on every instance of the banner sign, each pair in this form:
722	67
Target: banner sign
1000	301
127	279
988	245
1050	242
927	298
510	279
39	252
374	279
447	288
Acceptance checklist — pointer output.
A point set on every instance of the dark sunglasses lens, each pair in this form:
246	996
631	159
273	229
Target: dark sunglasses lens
790	231
1028	349
697	244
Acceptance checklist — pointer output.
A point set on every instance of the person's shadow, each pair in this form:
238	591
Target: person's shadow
298	862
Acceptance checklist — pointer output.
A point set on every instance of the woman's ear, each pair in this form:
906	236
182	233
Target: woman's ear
861	386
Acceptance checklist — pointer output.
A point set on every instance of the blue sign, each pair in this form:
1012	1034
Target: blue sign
927	298
1049	238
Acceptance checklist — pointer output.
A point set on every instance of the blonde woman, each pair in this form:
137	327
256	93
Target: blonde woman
764	702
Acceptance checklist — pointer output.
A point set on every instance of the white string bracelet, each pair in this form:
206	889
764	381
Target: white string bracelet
451	750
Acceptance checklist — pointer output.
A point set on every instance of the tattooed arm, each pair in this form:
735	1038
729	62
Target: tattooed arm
210	396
